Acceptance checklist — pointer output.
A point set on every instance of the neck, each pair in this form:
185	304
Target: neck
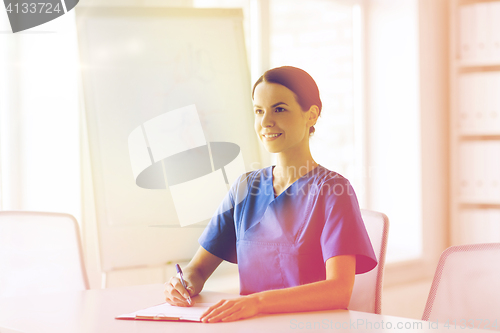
293	165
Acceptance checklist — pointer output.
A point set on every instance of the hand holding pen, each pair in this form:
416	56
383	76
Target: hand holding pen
176	290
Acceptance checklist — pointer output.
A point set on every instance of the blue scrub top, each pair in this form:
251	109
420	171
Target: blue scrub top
284	241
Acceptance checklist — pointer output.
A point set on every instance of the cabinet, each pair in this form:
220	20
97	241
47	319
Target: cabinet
474	121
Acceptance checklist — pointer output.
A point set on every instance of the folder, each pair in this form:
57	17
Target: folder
167	312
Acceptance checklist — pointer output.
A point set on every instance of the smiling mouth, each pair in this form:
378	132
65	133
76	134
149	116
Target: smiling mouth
271	136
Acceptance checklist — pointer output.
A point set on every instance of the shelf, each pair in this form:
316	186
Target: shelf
474	130
466	66
470	2
479	137
480	204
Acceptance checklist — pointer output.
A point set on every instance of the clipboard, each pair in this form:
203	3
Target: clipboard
167	312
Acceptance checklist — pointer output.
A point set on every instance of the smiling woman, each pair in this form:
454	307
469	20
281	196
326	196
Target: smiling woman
294	229
287	105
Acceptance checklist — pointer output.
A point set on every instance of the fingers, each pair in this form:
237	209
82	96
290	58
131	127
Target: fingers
233	309
175	294
214	308
224	310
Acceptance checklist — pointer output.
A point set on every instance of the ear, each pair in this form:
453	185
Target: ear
313	115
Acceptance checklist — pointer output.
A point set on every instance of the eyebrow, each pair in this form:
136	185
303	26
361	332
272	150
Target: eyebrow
276	104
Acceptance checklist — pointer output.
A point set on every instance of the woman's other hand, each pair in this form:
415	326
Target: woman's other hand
232	309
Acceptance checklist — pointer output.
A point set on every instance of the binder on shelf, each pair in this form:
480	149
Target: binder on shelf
479	176
479	102
479	226
486	102
494	220
493	170
464	218
483	22
469	108
466	181
478	167
495	29
472	223
474	111
492	103
488	125
463	103
495	99
480	158
466	32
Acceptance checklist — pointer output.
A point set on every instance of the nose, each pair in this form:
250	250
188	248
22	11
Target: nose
267	120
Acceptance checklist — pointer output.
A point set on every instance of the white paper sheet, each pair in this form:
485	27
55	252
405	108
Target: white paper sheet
166	311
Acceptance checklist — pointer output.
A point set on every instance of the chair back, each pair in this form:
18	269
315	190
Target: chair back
466	286
40	253
367	291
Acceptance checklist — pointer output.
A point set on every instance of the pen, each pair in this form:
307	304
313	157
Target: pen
179	271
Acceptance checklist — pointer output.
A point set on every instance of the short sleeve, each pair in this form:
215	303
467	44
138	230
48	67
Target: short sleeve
219	237
344	232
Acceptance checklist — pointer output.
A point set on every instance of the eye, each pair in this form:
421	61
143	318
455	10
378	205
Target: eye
279	109
258	111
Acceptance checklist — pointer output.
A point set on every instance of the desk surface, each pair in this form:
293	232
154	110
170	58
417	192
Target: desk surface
94	311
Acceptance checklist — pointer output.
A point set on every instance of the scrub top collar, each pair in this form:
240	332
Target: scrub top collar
270	178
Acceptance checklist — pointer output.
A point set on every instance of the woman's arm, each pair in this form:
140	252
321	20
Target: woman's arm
332	293
195	274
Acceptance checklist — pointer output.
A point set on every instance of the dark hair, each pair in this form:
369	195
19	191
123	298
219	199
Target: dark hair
299	82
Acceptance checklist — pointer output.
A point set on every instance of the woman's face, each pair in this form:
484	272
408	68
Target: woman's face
280	122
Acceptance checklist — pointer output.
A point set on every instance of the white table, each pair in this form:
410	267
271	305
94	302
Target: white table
95	310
